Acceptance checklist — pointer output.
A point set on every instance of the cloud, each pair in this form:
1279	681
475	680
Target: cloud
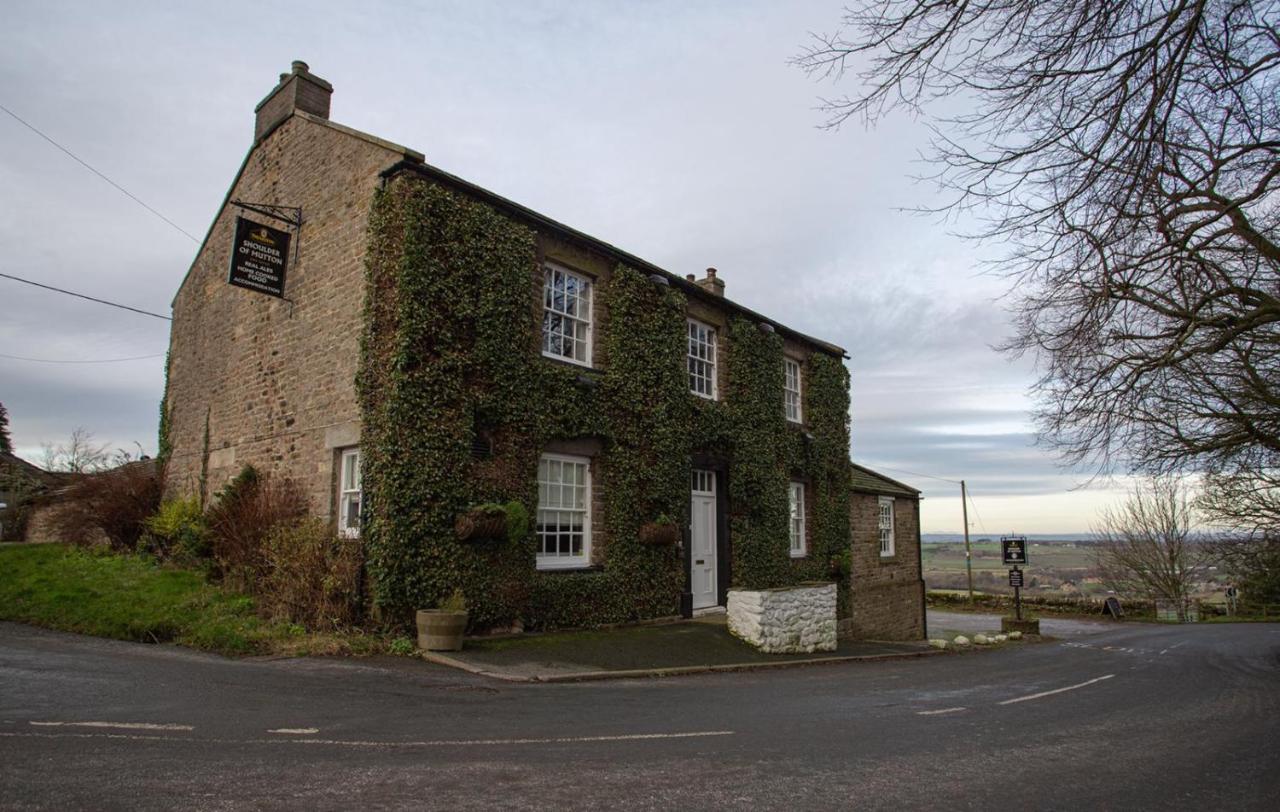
676	131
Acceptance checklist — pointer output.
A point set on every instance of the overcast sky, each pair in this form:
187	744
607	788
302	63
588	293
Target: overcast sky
675	130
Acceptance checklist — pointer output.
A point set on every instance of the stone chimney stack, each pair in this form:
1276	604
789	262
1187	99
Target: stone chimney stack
710	283
298	90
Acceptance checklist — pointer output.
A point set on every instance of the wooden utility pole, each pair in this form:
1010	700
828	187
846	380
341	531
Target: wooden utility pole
968	553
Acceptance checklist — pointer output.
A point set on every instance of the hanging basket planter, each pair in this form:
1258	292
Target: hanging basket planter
659	534
480	526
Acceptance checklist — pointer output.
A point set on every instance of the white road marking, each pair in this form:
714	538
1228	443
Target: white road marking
359	743
500	742
115	725
939	712
1055	690
296	731
1171	648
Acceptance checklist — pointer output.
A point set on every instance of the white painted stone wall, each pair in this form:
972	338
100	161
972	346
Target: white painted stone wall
789	620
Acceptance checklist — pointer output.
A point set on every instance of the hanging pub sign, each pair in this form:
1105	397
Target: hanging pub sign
1014	549
259	258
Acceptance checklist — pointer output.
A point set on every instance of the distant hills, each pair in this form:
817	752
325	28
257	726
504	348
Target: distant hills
943	538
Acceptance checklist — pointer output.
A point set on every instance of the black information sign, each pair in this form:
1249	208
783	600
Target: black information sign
259	258
1014	549
1112	607
1015	577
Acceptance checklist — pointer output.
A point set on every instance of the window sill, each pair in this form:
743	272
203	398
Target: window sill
567	361
570	568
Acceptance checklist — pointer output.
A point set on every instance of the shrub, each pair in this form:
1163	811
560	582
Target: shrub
310	575
177	530
244	512
114	505
517	521
456	602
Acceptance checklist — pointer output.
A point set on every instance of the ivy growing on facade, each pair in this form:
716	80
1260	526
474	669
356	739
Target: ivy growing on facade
450	355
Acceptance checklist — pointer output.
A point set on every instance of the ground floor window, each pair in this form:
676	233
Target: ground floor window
349	493
796	492
886	526
564	511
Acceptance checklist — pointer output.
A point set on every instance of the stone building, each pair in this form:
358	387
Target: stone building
887	600
438	347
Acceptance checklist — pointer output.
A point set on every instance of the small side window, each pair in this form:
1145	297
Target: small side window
796	494
349	493
886	526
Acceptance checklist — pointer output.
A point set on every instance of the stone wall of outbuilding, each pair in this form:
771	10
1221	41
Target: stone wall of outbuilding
887	592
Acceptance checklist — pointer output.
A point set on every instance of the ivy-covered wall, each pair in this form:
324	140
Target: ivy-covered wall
450	352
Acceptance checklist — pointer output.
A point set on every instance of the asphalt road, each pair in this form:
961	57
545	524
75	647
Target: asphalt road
1132	717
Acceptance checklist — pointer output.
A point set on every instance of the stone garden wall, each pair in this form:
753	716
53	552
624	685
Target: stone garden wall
789	620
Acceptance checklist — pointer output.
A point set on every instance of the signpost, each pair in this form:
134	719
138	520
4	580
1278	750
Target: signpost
259	258
1014	551
1112	607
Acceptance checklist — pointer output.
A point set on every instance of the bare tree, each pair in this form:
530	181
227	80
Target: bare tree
1128	153
79	455
1145	544
1247	508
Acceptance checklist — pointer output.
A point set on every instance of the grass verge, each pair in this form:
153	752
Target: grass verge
134	598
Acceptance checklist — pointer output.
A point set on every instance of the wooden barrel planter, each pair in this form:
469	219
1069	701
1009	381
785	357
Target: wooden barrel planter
659	534
441	630
480	526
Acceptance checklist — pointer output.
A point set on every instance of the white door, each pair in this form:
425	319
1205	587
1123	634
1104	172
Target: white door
702	552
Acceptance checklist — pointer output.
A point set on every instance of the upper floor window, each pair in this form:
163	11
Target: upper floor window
796	494
564	511
349	493
566	315
702	359
791	389
886	526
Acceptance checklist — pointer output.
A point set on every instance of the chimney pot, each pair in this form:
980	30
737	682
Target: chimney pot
690	277
711	283
299	90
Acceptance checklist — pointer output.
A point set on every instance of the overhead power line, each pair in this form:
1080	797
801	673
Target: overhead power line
82	296
974	505
86	165
89	361
914	473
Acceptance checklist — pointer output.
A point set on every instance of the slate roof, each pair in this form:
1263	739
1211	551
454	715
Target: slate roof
415	162
864	480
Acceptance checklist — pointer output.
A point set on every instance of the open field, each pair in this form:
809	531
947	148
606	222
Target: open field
1054	569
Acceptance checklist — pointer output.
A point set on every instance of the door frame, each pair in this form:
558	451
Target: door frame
719	466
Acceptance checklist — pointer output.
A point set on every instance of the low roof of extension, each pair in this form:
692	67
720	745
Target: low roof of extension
864	480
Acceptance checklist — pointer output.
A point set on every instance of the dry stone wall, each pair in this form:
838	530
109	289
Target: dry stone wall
789	620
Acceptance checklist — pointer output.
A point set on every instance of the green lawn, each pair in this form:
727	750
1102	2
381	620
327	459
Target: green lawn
134	598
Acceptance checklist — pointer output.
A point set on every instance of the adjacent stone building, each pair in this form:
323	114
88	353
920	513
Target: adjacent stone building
888	589
439	348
